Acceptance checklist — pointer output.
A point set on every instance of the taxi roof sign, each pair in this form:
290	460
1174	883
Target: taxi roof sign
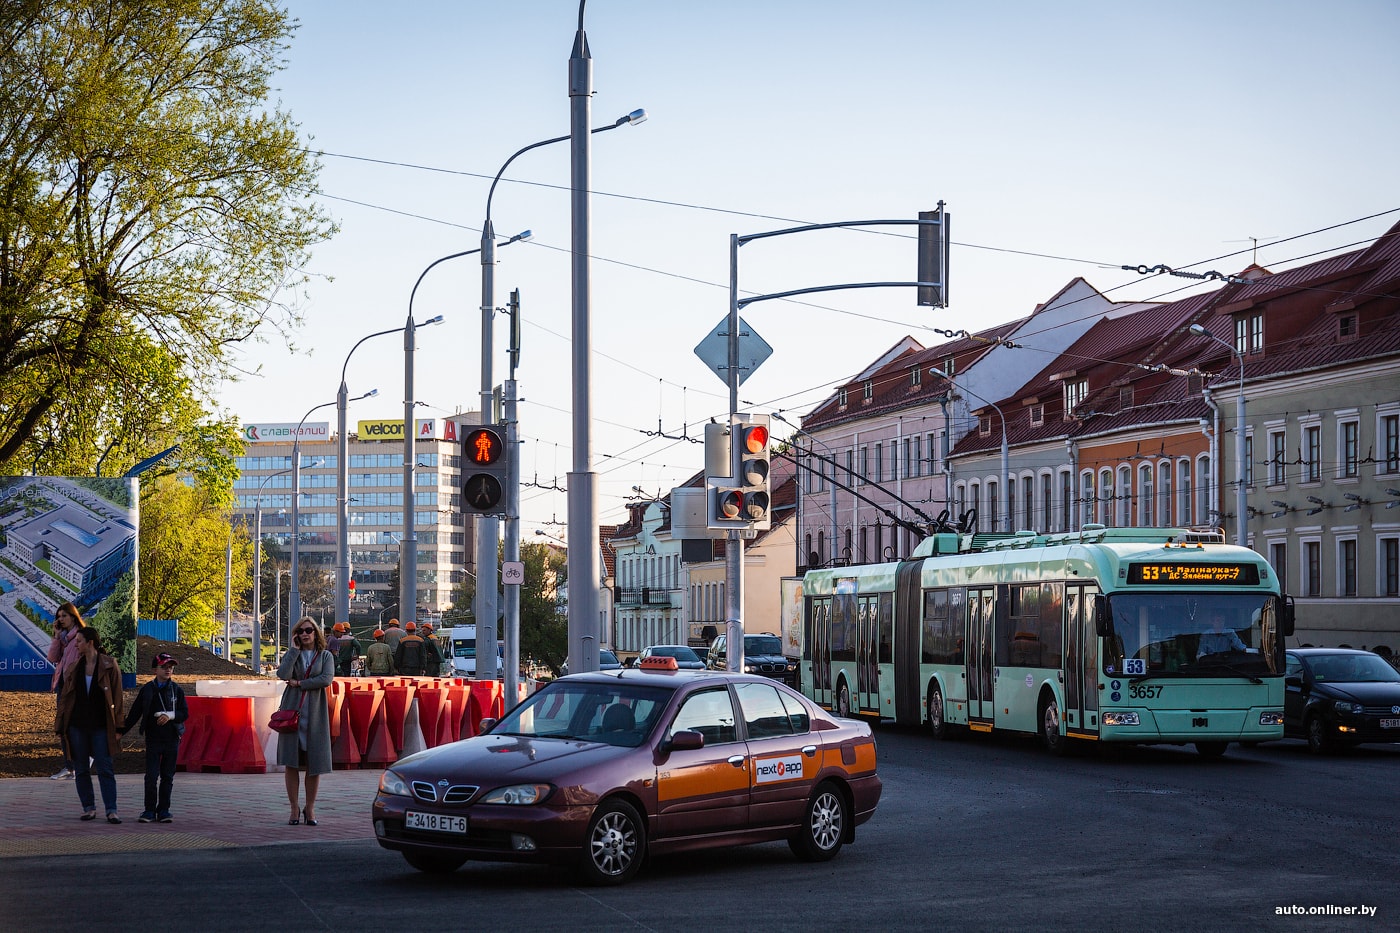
658	662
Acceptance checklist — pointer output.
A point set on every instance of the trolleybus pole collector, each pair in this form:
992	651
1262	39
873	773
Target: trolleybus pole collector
1134	635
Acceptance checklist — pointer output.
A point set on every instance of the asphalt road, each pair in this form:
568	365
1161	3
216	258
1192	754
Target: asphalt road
977	834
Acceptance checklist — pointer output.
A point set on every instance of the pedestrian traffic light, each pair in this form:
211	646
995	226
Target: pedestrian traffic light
351	587
485	468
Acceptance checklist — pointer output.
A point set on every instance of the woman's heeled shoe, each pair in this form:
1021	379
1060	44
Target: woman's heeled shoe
308	819
293	821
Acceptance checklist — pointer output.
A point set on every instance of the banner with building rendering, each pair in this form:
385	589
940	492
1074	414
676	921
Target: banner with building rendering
65	540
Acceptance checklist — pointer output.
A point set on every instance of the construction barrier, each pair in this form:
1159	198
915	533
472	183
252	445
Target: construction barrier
220	736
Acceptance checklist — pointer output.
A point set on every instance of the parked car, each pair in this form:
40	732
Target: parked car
600	770
1336	697
763	654
686	658
607	661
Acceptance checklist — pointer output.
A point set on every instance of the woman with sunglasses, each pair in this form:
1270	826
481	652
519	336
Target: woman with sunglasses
308	669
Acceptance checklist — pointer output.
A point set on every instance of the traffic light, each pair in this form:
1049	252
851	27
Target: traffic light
755	506
351	587
737	497
485	468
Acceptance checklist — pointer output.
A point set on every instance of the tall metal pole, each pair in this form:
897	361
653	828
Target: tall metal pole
408	552
342	500
228	597
512	551
487	530
294	591
277	620
734	544
584	624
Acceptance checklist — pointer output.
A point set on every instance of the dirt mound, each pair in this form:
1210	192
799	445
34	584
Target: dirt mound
29	747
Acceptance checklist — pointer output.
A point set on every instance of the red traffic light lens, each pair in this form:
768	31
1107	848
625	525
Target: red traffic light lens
482	446
756	439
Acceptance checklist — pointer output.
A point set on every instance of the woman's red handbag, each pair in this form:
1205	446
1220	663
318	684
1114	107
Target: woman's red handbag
284	720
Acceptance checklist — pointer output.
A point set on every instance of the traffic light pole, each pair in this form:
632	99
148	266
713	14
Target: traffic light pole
511	597
733	542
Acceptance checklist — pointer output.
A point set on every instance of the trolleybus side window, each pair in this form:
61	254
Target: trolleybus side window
886	628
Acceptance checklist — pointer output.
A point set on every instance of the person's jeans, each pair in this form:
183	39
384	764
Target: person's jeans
85	744
160	763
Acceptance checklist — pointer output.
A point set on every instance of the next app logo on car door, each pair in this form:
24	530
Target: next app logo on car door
781	768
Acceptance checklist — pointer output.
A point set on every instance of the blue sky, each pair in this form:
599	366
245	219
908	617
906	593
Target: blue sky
1091	134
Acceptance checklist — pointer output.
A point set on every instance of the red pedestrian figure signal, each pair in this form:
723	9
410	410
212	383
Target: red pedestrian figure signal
483	446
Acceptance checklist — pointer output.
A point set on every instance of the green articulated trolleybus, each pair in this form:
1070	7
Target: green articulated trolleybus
1131	635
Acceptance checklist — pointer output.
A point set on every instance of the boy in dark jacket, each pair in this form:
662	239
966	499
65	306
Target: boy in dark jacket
161	709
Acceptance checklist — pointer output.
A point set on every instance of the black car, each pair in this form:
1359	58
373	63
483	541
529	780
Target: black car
763	654
1339	697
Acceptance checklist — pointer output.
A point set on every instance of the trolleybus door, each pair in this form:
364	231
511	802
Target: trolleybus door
981	609
820	640
868	656
1081	661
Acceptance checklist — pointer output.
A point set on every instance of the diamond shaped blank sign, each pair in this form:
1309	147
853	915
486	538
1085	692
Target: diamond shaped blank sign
714	350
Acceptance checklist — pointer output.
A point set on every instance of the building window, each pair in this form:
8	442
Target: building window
1164	492
864	553
879	475
1037	415
1278	559
894	459
1389	575
863	467
1203	490
1086	497
1011	504
1047	502
993	506
1183	492
851	479
1076	390
917	463
1312	568
1125	497
1390	443
1106	496
1145	496
932	454
984	425
916	377
1349	440
1249	333
947	366
1346	326
1028	502
1125	397
1277	453
841	397
1066	499
974	497
868	390
1346	567
1312	453
1249	459
821	548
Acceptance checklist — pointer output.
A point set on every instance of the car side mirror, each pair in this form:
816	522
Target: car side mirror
486	724
1293	680
1285	615
685	740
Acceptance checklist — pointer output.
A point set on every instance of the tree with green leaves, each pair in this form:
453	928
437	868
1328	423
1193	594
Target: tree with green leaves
184	558
155	213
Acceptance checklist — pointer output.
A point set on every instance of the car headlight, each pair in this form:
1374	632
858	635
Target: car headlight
1342	706
518	794
390	783
1271	718
1121	719
750	668
791	666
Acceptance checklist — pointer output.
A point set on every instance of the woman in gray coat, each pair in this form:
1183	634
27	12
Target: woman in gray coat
308	669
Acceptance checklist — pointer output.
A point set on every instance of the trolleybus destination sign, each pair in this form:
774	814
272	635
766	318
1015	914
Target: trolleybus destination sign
1217	574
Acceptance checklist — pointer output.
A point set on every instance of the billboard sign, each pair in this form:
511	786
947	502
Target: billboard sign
65	540
281	433
392	430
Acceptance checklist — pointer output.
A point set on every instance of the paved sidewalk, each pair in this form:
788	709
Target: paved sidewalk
211	811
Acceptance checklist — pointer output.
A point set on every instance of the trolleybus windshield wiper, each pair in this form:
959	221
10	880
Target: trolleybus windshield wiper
1228	668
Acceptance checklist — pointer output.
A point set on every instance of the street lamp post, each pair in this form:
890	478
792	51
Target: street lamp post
1241	508
1004	497
487	532
832	454
294	597
257	565
277	622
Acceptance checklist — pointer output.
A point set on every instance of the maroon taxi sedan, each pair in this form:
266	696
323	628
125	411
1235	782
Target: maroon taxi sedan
599	770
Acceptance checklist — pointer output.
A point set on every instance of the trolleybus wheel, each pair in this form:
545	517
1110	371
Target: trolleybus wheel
1211	749
1055	742
823	826
937	724
843	701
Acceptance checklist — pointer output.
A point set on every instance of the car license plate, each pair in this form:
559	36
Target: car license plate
1390	723
435	822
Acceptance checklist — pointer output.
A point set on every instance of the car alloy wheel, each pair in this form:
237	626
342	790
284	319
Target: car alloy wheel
616	844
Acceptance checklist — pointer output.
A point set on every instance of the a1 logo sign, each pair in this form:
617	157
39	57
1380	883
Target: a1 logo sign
513	572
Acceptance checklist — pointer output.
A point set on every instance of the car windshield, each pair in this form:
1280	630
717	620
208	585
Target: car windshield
1351	669
763	644
1192	634
616	713
679	652
606	657
463	649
